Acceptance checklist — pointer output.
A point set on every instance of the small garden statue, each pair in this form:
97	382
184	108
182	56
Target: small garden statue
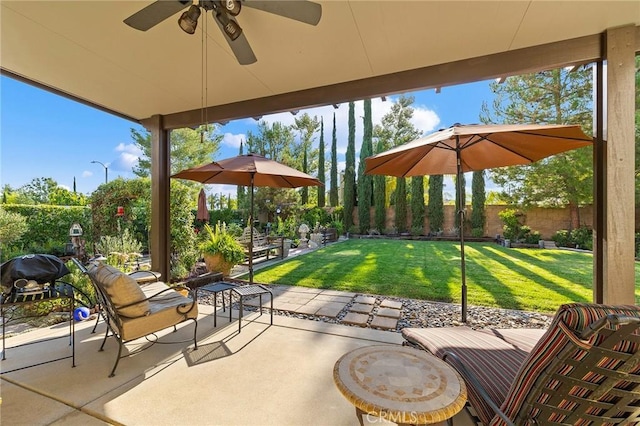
303	229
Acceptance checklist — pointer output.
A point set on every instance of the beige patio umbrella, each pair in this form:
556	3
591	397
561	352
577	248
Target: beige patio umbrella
464	148
249	170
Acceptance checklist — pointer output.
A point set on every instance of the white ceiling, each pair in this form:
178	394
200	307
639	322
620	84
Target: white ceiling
83	48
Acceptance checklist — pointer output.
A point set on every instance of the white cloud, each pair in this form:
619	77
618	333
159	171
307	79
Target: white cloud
233	140
87	174
128	157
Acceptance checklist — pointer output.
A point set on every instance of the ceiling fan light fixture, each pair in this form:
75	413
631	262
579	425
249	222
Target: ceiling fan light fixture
189	19
230	26
232	7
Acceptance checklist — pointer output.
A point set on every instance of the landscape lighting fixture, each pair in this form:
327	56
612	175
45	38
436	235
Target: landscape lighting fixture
189	19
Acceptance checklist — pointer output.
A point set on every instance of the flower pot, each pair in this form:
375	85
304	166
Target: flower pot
216	263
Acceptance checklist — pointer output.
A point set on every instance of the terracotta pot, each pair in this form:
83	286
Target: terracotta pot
215	263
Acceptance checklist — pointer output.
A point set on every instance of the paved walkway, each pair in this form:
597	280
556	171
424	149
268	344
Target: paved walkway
348	308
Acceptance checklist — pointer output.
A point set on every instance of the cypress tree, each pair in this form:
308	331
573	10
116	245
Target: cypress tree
379	195
435	209
350	171
460	196
401	205
478	198
333	192
304	193
417	205
365	182
321	177
240	191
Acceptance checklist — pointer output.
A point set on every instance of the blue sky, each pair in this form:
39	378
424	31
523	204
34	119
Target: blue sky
45	135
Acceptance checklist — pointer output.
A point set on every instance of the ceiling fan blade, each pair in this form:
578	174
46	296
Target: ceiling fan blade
155	13
240	46
303	11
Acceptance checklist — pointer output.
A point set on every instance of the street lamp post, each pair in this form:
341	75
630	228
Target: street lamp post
106	170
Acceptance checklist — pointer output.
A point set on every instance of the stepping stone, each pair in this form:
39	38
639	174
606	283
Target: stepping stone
389	313
337	293
331	309
361	308
308	309
391	304
368	300
356	319
384	323
329	298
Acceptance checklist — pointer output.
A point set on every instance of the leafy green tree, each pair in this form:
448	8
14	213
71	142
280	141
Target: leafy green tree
417	205
63	197
273	141
478	197
435	209
307	126
39	190
460	196
397	129
189	148
350	171
365	182
380	196
321	173
550	97
333	191
12	227
401	205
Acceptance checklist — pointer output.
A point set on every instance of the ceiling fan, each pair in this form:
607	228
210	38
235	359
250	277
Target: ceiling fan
224	13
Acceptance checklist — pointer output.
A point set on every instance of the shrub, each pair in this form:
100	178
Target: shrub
582	238
561	238
477	232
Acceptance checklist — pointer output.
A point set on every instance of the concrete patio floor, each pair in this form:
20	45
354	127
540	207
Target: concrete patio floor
280	374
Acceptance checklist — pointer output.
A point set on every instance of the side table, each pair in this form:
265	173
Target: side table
214	288
251	290
400	384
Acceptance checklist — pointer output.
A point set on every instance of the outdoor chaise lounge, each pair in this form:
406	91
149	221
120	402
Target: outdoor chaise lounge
584	370
132	311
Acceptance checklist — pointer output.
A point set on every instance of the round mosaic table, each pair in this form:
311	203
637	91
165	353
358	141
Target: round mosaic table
400	384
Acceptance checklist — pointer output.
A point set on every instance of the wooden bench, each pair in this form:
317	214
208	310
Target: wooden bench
262	244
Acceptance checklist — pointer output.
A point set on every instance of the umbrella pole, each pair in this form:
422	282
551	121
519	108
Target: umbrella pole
461	231
251	234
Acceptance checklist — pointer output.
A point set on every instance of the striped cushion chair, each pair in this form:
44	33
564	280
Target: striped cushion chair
584	370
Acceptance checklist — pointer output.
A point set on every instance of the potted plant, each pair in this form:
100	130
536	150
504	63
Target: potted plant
220	250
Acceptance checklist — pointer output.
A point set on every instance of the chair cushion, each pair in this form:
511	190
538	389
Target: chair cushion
522	338
567	324
121	289
493	361
167	307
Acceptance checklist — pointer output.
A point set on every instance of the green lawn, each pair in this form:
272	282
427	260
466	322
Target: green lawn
525	279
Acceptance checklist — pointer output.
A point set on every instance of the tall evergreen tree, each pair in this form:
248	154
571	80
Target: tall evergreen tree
321	174
333	192
417	205
435	209
350	171
478	198
401	205
550	97
241	189
460	196
379	196
304	193
365	182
